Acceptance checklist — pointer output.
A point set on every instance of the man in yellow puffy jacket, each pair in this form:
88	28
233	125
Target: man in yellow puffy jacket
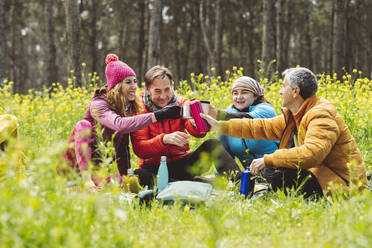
9	132
317	152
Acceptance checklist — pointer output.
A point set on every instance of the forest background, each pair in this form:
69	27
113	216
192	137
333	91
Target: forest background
46	41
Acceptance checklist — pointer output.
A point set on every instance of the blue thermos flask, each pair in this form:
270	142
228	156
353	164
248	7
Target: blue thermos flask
247	183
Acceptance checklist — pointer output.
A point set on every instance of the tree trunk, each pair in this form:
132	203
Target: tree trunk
242	43
287	33
73	38
318	67
93	35
199	41
190	31
349	34
2	42
141	41
331	39
205	27
176	34
22	64
124	22
13	56
369	39
308	62
19	62
251	50
362	32
123	36
267	35
147	30
153	57
280	29
51	69
218	37
213	45
230	55
339	47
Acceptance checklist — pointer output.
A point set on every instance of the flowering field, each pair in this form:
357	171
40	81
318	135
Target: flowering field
39	211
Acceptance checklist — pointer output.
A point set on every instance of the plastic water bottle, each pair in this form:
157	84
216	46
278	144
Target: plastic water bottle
247	183
162	173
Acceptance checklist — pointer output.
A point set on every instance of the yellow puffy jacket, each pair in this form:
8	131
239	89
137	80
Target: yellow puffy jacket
325	144
15	156
8	127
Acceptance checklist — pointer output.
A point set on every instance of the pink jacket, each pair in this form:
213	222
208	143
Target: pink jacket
112	122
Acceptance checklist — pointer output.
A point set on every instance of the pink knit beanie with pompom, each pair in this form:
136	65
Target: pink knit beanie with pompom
116	70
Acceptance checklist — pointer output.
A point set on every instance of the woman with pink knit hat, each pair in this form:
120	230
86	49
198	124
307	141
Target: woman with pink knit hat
117	108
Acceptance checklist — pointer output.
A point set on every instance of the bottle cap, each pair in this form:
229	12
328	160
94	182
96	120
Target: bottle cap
163	159
130	172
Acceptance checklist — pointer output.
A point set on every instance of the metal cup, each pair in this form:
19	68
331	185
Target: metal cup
186	113
205	106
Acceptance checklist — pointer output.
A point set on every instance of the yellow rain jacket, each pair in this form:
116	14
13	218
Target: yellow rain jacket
325	144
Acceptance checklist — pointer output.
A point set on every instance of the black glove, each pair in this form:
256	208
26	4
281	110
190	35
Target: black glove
224	116
168	112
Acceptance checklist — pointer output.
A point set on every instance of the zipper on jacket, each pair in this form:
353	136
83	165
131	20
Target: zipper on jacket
286	125
163	127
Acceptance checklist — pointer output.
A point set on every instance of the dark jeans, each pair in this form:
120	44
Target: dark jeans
184	169
302	180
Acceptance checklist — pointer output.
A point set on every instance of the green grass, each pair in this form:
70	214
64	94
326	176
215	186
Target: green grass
40	211
51	217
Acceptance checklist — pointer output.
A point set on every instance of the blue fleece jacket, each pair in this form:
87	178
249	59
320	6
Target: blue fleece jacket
237	147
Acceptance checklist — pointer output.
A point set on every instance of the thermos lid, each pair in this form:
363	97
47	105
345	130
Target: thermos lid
163	158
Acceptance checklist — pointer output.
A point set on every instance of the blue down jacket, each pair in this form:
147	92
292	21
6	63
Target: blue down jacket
247	149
